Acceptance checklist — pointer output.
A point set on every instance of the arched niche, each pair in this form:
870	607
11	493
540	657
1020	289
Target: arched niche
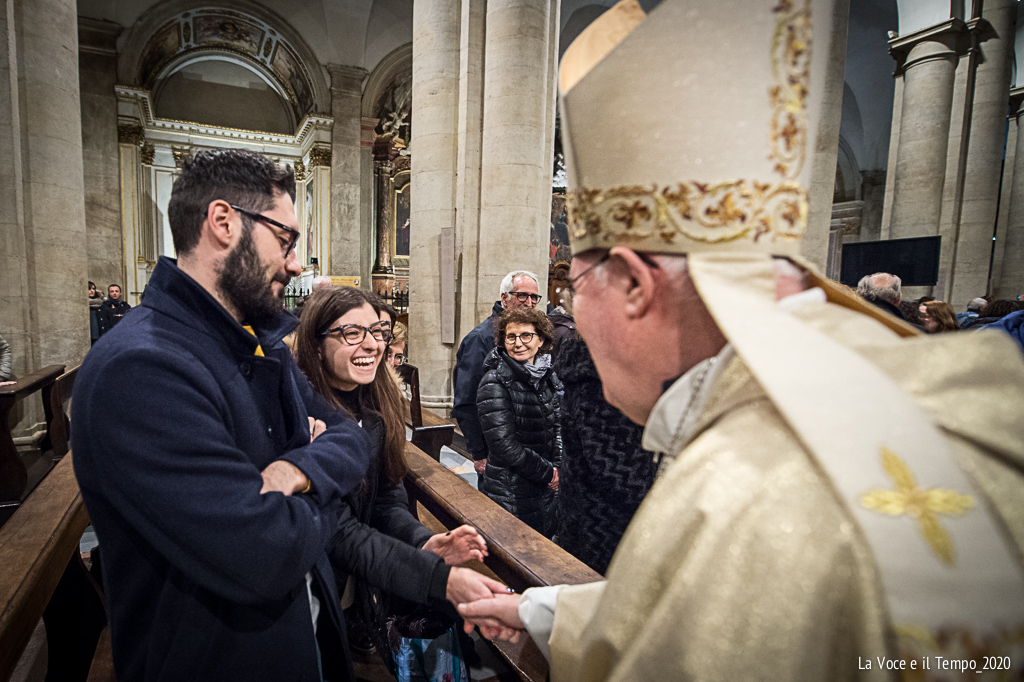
174	36
219	89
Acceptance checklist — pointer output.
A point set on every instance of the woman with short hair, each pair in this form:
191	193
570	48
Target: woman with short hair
938	316
517	404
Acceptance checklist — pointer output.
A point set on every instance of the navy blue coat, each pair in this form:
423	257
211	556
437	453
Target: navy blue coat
175	418
469	370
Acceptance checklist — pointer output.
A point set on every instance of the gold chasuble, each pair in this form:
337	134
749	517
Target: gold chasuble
842	498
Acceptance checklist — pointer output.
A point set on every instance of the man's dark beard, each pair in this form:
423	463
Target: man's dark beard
243	282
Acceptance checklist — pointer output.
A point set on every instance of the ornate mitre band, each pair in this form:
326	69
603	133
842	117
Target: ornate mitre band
652	162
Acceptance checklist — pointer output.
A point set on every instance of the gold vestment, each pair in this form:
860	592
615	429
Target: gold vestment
743	563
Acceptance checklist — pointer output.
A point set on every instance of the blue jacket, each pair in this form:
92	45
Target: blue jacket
469	370
175	418
1012	324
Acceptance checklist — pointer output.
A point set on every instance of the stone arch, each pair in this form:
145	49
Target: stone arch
848	183
175	33
390	84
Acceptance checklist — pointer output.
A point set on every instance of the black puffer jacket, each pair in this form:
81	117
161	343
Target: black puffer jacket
604	474
519	418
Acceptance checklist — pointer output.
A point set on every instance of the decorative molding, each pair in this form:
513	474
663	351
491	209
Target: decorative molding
300	171
181	155
950	33
320	155
147	154
128	133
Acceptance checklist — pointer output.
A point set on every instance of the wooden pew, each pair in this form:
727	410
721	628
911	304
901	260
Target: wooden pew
57	396
518	555
37	545
13	474
429	432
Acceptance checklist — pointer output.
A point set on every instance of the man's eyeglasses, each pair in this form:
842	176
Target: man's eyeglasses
293	235
353	334
399	358
525	337
523	297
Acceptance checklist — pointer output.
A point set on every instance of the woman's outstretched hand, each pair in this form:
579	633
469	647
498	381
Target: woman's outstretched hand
458	546
466	585
497	617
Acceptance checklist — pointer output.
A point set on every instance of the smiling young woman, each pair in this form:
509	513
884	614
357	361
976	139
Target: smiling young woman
340	347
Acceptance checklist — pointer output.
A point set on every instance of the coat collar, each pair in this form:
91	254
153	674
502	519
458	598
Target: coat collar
172	292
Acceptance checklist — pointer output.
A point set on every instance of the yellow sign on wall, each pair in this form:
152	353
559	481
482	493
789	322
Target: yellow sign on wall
345	281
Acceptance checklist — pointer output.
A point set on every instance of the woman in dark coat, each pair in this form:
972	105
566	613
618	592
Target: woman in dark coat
605	474
340	344
517	403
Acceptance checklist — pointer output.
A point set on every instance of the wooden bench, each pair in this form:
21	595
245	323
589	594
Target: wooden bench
518	555
14	482
58	397
42	577
430	432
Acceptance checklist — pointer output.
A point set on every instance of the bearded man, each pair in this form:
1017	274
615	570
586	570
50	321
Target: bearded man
213	490
838	497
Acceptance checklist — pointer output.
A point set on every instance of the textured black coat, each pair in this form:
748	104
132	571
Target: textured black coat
604	473
520	424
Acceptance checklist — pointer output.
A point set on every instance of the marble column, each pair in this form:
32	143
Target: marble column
52	179
516	157
350	248
435	102
820	245
1011	280
97	77
15	306
928	75
969	272
382	167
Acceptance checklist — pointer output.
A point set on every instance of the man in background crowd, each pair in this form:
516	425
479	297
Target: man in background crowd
112	310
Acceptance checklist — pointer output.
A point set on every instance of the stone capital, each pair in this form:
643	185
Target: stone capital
96	36
346	79
940	41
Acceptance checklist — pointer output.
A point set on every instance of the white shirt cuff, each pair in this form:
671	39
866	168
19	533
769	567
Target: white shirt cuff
537	611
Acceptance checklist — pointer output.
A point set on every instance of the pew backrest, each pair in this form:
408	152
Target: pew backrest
13	474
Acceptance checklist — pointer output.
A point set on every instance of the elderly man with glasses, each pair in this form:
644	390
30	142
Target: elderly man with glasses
519	289
216	494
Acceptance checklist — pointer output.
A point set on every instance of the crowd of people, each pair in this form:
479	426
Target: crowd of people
105	313
884	290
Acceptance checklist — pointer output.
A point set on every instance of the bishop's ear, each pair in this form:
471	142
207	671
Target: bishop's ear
637	276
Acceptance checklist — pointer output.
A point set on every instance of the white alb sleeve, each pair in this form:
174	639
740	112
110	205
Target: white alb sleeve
537	611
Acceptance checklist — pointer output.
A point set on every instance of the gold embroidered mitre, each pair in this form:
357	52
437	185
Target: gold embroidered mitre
689	130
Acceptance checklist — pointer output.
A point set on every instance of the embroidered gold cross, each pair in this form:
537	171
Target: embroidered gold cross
923	505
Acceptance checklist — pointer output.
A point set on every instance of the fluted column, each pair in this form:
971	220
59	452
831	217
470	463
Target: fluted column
435	99
928	77
1011	282
969	270
516	159
350	247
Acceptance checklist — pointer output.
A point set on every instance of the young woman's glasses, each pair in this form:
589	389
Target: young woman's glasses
525	337
293	235
353	334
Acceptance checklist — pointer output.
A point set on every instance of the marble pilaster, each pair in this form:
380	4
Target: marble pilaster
97	77
350	247
435	102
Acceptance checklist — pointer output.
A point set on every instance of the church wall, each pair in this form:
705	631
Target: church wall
97	77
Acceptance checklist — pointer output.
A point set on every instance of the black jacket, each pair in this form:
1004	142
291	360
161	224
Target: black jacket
469	369
175	417
378	539
565	329
519	419
605	474
110	313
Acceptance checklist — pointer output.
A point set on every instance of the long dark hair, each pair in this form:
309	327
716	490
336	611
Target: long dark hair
322	308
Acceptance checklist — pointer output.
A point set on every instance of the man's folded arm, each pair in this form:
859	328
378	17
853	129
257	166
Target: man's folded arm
173	471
